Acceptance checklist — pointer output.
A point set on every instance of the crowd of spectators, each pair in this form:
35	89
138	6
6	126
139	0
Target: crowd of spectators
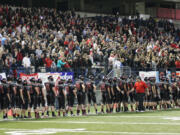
63	41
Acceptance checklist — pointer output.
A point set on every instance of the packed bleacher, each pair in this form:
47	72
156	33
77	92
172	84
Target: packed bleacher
62	41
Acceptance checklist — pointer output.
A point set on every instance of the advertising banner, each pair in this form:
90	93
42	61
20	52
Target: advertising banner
150	74
60	75
178	73
44	76
28	77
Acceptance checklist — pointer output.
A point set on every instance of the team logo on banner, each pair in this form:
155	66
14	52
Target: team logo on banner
150	74
28	77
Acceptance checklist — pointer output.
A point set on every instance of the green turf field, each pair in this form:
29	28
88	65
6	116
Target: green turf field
147	123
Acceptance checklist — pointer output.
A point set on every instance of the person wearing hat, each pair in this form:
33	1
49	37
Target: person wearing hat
140	88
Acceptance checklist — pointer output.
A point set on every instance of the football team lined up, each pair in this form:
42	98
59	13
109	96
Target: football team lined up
117	94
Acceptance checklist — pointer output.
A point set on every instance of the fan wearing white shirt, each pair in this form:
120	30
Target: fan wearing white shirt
117	64
26	63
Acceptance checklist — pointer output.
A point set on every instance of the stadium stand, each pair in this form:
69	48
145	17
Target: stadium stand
42	38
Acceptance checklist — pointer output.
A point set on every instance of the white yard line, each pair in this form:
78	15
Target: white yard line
136	116
9	129
99	116
131	117
99	122
129	133
81	130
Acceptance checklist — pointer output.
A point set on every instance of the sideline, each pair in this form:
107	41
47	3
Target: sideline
100	122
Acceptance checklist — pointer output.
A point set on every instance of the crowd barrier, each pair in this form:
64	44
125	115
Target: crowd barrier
97	71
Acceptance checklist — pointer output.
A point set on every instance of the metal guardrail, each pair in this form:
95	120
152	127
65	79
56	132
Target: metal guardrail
118	72
95	70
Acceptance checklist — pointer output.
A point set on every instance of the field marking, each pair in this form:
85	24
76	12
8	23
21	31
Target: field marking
172	118
42	131
9	129
80	130
100	122
136	116
98	116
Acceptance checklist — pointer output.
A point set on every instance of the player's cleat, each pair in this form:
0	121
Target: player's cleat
29	115
141	111
59	114
72	115
25	117
14	116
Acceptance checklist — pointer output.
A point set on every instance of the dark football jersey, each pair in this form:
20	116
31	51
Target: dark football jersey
69	89
103	86
60	89
121	85
40	87
79	86
125	88
49	88
25	91
18	88
115	87
5	90
89	86
11	90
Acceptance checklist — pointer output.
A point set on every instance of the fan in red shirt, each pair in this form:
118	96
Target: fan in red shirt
177	63
48	62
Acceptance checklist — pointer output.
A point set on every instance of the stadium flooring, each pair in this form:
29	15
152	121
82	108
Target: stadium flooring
147	123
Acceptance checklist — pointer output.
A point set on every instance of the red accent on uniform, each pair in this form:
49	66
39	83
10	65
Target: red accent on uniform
78	86
103	87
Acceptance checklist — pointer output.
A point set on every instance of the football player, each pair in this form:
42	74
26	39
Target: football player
80	90
5	98
42	97
91	93
25	98
61	97
104	87
71	94
51	95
